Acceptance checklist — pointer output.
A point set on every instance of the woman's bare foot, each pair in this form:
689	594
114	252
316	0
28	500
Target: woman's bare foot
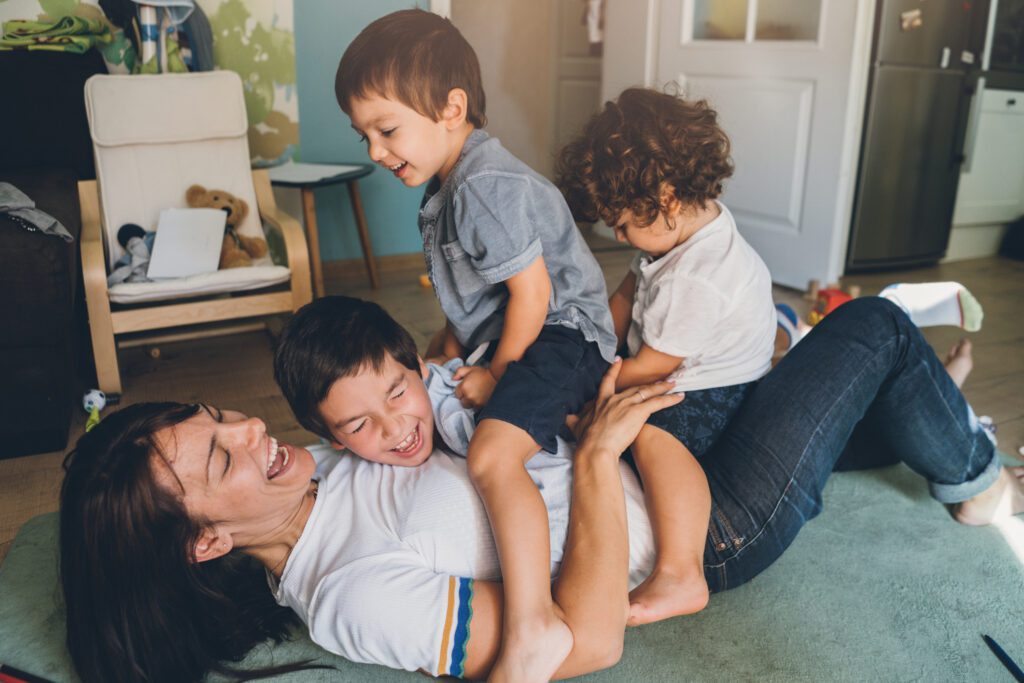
1003	499
532	652
959	361
667	594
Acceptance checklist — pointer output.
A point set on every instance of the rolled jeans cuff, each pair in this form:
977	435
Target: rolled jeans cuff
958	493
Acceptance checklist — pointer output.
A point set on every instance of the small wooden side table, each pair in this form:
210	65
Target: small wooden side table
307	177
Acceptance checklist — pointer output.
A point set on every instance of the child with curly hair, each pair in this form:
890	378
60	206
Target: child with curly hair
696	308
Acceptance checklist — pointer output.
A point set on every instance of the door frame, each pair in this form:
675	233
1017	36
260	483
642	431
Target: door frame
442	7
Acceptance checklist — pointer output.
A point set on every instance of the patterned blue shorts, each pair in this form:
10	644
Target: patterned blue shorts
702	416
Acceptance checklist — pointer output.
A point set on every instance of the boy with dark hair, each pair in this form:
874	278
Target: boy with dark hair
338	337
510	270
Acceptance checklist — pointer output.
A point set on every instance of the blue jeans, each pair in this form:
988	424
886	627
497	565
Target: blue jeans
864	385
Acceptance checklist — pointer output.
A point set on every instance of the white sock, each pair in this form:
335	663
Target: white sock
937	303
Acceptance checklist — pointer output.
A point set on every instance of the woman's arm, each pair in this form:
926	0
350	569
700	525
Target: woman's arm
647	366
621	305
592	587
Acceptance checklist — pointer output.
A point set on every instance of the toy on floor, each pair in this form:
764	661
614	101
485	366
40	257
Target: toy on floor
8	674
825	302
94	401
1004	658
133	264
237	250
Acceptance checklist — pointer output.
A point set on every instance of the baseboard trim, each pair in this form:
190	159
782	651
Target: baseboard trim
974	241
355	269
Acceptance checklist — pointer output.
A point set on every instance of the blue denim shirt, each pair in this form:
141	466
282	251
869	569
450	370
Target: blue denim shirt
490	219
456	423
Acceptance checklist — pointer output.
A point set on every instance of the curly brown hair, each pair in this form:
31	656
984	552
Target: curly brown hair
641	144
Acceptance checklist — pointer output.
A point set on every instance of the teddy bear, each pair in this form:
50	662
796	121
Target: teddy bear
237	250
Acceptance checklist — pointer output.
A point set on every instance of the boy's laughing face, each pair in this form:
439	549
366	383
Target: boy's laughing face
411	146
382	416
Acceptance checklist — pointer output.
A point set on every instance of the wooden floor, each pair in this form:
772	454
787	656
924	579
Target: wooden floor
235	371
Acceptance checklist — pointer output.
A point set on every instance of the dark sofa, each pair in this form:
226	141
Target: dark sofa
45	151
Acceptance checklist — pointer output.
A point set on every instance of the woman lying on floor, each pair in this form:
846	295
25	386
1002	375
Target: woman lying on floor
157	494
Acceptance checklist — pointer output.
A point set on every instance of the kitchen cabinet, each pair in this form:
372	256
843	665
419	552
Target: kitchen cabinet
992	185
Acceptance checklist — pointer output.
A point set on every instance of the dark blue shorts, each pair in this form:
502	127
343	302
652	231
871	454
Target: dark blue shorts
557	375
702	416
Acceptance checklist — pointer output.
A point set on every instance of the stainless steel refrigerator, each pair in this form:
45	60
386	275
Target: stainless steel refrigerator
925	56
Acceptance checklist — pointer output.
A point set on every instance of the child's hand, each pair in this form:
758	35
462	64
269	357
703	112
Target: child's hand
476	384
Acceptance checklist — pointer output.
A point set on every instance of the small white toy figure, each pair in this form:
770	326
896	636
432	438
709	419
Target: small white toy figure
94	401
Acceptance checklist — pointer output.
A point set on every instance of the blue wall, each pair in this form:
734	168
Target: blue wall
323	29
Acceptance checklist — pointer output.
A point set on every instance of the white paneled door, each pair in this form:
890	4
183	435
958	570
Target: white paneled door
577	75
788	79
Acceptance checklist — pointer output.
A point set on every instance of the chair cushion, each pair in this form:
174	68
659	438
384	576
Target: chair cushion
133	110
229	280
154	136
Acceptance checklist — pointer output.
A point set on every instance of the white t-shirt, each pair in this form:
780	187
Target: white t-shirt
383	572
708	301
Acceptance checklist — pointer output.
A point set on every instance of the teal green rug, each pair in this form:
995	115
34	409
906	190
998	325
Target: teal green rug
883	585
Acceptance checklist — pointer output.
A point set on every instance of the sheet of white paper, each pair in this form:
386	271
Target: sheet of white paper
291	172
187	243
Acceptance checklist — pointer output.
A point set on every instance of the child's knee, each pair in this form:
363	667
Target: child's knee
482	462
497	447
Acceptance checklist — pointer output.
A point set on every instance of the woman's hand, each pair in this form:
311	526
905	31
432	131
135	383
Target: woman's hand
617	418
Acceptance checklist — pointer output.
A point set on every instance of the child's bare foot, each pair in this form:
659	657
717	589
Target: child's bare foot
532	652
959	361
1003	499
667	594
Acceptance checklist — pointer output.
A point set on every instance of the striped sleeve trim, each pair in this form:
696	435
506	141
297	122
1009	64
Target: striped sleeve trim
451	660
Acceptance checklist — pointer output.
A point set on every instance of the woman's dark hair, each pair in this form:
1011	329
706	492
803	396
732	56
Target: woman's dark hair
139	608
639	143
415	57
331	338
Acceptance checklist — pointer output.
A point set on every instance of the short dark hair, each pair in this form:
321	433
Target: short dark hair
331	338
639	141
414	57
